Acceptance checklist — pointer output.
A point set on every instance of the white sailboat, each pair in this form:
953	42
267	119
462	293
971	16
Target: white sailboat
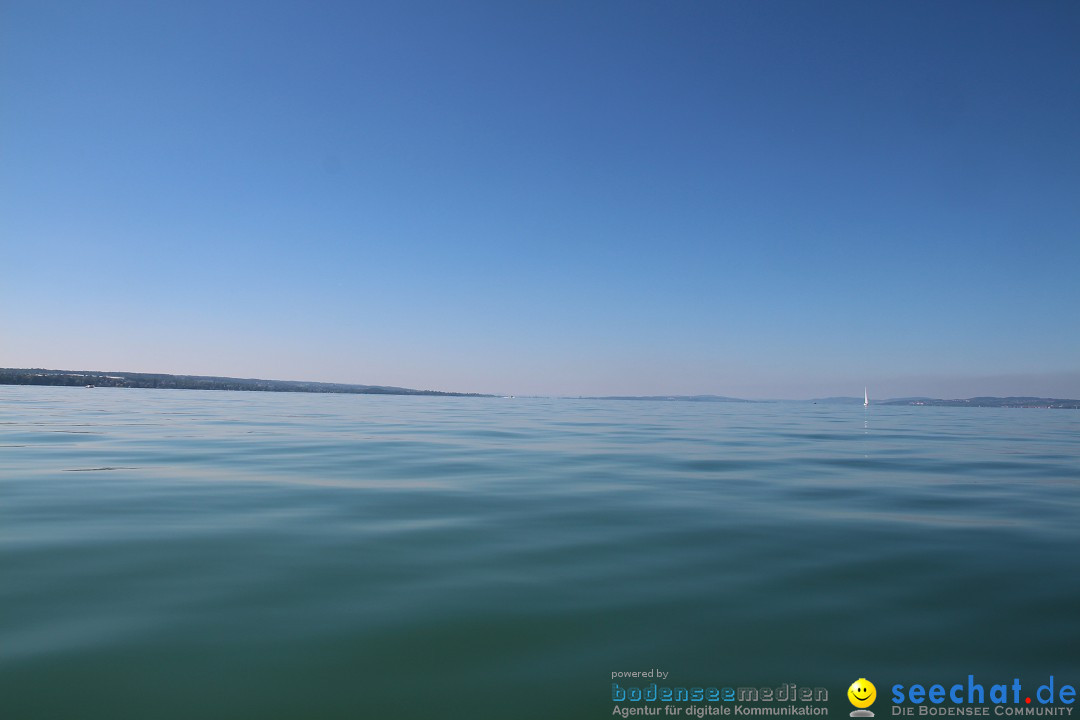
865	398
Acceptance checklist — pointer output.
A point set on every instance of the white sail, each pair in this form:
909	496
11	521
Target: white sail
865	398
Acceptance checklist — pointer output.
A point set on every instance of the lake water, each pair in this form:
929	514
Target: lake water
183	554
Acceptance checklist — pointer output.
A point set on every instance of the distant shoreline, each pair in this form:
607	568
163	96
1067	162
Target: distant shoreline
998	402
85	378
95	378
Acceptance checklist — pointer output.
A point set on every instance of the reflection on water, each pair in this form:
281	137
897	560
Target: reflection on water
179	554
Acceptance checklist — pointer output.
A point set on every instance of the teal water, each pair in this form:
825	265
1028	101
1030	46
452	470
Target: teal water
183	554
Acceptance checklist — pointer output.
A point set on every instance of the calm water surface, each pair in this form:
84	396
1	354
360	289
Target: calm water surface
183	554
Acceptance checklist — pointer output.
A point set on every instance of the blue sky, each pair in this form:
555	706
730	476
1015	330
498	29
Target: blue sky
760	199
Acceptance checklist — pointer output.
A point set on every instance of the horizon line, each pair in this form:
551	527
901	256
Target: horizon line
401	390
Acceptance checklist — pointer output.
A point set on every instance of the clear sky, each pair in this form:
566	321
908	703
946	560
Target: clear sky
759	199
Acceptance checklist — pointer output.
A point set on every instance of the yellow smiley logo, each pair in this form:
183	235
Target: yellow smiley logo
862	693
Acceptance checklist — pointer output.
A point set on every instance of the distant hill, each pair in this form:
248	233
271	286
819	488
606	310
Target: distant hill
1004	402
1007	402
859	401
79	378
907	401
671	398
36	376
1001	402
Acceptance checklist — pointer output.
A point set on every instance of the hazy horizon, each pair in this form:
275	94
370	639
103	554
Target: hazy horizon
761	201
970	387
